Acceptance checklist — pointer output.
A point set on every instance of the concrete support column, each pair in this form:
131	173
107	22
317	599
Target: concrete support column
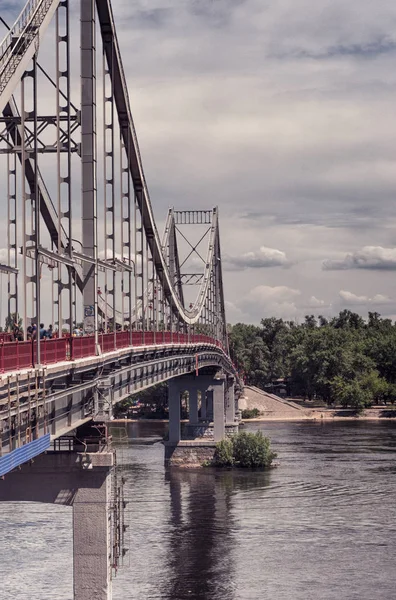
230	401
203	405
193	405
91	537
174	391
218	409
209	405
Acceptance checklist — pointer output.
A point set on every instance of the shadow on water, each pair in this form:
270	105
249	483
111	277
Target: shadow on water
201	542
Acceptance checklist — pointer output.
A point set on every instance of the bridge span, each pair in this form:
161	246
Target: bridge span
150	308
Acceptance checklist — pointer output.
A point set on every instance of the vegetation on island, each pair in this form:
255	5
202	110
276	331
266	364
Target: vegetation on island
343	361
244	450
250	413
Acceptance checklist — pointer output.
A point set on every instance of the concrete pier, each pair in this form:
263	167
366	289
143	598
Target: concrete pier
216	420
83	481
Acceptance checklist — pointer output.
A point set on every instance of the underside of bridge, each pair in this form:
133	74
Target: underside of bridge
126	309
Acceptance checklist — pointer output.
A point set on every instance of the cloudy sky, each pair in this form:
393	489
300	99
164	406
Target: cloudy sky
282	113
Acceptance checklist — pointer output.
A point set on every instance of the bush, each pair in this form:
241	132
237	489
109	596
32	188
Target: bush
250	413
245	450
224	454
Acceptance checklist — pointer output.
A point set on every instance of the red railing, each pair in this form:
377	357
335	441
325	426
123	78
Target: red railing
137	338
22	355
123	339
82	346
52	351
6	337
148	338
16	356
107	342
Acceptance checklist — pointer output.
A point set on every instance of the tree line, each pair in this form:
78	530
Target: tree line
345	360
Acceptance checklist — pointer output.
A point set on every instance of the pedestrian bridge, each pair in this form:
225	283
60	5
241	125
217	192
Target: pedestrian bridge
77	382
94	258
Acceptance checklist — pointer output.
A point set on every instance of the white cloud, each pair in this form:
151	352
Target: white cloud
314	302
266	301
264	257
369	257
350	299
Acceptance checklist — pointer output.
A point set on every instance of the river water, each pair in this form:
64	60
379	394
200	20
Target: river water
321	526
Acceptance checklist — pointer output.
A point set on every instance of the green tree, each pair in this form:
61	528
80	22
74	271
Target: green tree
335	361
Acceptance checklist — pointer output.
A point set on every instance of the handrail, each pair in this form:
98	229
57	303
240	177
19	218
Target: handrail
20	42
19	25
15	356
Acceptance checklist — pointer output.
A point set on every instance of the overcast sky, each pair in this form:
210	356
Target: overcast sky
282	113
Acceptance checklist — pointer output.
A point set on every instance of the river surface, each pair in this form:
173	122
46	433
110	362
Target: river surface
321	526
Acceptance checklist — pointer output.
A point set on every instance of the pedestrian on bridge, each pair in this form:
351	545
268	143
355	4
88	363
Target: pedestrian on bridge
17	333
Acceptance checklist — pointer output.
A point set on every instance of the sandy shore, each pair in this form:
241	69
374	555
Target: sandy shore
319	418
273	408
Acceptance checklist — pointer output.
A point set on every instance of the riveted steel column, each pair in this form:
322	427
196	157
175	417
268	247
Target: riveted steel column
109	180
12	234
88	160
24	210
36	194
63	144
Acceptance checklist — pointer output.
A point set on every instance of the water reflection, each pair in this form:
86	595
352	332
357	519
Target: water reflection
202	540
199	546
321	526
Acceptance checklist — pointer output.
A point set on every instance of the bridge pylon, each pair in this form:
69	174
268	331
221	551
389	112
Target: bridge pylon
81	474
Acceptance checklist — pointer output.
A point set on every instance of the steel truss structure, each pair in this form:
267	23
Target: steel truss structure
100	258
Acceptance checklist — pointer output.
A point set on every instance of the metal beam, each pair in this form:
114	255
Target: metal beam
89	166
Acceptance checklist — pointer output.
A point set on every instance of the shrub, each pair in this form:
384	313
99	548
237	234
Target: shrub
252	450
250	413
246	450
224	453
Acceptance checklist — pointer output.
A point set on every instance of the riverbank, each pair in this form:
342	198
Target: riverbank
273	408
367	415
